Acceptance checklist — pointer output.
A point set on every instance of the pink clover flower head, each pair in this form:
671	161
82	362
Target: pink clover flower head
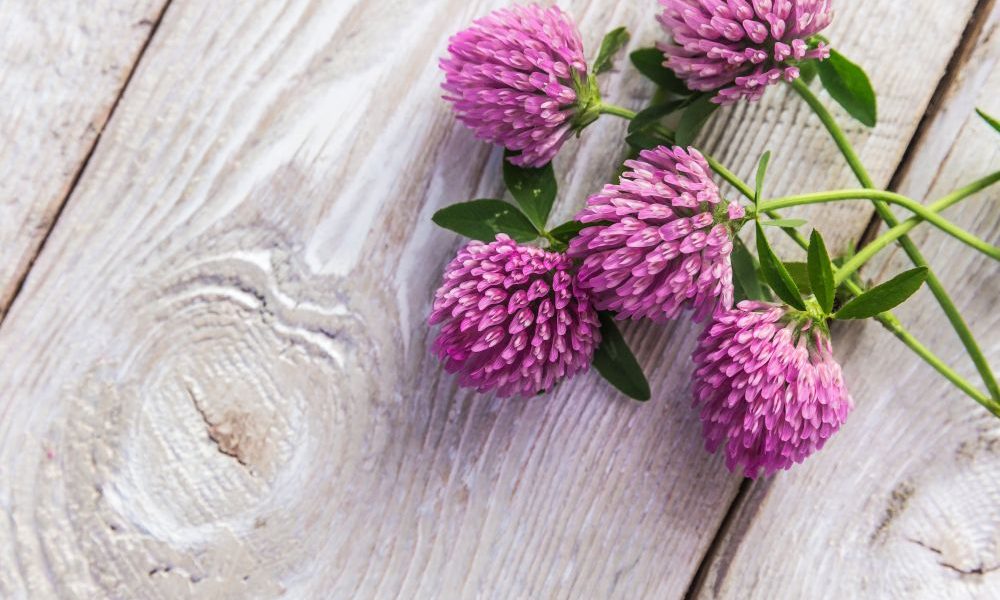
739	47
660	239
518	78
768	387
513	319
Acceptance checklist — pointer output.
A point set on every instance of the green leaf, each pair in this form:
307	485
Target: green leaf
653	114
848	84
800	275
616	363
808	71
761	171
649	62
745	282
614	41
693	119
568	230
484	219
776	274
821	272
992	121
884	297
784	223
533	189
641	140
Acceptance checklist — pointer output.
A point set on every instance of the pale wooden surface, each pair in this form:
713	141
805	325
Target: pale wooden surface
62	65
215	381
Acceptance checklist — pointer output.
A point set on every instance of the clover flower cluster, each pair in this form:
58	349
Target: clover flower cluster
658	244
511	78
513	318
516	319
767	386
739	47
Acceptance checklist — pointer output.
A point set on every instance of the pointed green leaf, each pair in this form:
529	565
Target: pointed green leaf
995	124
784	223
642	140
614	41
568	230
776	274
821	272
653	114
800	275
848	84
761	172
649	62
484	219
533	189
808	71
616	363
884	297
693	119
745	283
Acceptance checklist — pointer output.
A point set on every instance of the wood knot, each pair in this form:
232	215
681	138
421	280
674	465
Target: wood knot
239	434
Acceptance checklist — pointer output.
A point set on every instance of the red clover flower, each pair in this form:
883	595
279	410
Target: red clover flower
513	319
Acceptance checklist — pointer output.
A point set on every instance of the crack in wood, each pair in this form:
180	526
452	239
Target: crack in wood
899	499
222	442
966	44
20	281
719	540
981	569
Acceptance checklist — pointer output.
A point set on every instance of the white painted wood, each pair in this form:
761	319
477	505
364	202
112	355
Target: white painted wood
62	64
216	381
905	501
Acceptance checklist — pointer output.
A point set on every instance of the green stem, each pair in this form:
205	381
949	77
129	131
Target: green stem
891	323
887	319
618	111
933	283
891	198
730	177
854	263
835	132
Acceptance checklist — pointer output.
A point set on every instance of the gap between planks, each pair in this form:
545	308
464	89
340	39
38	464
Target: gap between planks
966	44
963	50
78	175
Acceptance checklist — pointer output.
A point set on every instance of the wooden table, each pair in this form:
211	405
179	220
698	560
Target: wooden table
216	261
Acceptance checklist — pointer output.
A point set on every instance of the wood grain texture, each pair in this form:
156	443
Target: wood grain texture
905	500
217	382
62	65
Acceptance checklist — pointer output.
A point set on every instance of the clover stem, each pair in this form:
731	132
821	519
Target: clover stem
933	283
618	111
890	198
892	324
872	248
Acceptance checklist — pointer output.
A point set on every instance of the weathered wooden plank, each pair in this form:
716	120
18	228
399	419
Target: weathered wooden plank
62	65
902	502
218	380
